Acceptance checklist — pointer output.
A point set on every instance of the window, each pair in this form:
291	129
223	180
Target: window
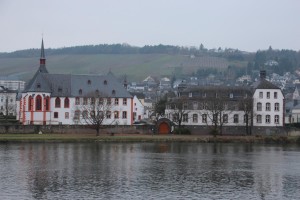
105	82
258	119
268	119
261	95
77	114
185	118
30	101
108	101
66	115
59	89
195	118
116	115
276	119
185	105
77	101
246	118
38	103
57	102
80	92
275	95
85	101
93	101
67	102
225	118
124	101
268	106
190	94
124	115
84	114
204	95
38	85
204	118
56	115
108	114
259	107
116	101
236	118
47	106
113	92
268	95
97	92
195	105
231	95
100	101
92	114
215	117
276	107
89	82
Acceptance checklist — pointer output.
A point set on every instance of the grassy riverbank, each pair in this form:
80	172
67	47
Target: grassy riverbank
4	138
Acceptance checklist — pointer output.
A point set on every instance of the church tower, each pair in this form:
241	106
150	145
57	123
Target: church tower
42	67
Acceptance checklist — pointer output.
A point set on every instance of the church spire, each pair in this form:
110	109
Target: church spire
43	59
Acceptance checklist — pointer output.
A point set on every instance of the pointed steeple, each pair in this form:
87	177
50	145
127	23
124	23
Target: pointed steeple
43	68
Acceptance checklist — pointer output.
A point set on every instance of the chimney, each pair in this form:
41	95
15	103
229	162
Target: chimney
263	74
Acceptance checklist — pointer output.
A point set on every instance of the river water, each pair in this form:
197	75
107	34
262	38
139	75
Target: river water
148	171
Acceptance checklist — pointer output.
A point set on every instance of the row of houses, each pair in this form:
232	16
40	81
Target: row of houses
69	99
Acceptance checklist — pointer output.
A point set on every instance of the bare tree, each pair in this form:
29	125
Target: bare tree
246	105
180	111
216	110
93	110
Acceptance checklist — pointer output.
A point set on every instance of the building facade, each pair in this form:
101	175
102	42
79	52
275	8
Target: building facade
74	99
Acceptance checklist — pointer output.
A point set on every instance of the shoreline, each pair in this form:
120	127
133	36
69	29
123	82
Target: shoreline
76	137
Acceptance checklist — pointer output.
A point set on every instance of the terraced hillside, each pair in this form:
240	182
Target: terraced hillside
135	66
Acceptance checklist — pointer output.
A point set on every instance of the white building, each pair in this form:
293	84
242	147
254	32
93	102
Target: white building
65	99
261	105
7	101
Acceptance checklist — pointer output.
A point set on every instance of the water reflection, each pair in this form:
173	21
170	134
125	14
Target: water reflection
149	171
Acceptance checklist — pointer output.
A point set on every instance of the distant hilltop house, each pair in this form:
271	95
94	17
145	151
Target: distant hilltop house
218	107
71	99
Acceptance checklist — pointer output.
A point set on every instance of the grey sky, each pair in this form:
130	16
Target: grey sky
244	24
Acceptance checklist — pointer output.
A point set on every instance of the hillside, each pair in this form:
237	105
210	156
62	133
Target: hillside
135	66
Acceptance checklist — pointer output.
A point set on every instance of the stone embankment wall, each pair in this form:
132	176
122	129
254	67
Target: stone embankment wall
195	130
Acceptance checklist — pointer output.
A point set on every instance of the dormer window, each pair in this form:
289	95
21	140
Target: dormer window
97	92
113	92
80	92
89	82
59	89
38	85
105	82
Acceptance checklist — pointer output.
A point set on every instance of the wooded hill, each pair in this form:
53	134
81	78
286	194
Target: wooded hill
139	62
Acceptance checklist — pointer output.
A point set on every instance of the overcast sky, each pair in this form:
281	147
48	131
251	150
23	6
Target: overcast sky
244	24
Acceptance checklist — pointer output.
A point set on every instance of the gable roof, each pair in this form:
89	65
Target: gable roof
69	85
264	84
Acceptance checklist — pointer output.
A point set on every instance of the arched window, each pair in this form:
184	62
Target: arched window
57	102
105	82
67	102
113	92
89	82
47	103
38	103
80	92
30	102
